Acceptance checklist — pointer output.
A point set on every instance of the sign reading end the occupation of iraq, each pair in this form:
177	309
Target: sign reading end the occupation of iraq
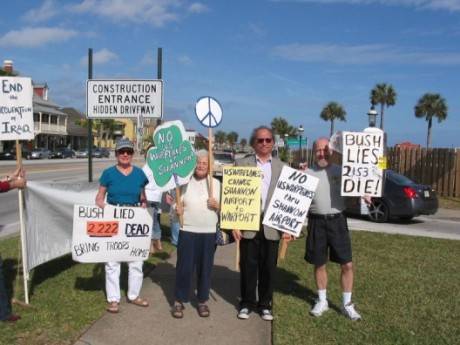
290	201
240	198
110	234
172	159
16	114
361	172
124	98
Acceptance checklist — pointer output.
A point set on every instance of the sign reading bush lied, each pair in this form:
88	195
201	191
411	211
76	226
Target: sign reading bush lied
361	172
290	201
110	234
240	198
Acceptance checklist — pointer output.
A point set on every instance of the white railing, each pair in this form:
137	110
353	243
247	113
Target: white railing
49	128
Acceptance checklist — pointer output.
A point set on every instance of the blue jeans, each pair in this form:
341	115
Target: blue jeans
195	253
175	228
5	307
156	230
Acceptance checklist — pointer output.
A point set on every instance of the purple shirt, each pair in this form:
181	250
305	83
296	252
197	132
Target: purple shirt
266	177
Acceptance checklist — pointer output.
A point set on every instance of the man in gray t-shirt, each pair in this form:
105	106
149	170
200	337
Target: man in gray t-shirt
328	231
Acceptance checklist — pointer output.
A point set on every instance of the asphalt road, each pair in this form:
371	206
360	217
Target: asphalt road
444	224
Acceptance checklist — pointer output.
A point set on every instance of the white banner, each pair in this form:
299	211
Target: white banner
110	234
290	201
124	98
361	172
16	113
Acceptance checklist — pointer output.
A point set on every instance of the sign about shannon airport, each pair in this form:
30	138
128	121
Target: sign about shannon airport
124	98
240	198
110	234
361	172
16	113
290	201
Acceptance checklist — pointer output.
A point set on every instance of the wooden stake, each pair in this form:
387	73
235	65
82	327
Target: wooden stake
237	257
282	252
210	161
178	200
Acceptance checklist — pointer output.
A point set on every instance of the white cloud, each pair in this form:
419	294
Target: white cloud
100	57
46	11
148	59
450	5
36	37
198	7
184	60
363	54
155	12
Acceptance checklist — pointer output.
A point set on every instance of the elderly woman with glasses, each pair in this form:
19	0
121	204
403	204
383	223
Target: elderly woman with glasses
197	239
123	184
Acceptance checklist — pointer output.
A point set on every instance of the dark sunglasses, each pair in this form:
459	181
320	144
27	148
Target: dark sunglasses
266	140
123	151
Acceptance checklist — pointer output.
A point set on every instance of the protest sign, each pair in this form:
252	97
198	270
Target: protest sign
172	159
240	198
290	201
16	113
361	172
110	234
124	98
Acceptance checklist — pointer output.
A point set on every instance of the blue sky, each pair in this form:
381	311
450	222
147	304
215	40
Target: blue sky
260	59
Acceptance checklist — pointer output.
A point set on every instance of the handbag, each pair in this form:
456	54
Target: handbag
223	237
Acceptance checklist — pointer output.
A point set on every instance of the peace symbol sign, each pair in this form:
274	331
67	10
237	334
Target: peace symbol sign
208	111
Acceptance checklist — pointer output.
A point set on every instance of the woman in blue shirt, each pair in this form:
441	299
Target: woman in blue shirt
123	184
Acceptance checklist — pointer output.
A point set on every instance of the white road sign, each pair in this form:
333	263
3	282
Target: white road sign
16	114
208	111
124	98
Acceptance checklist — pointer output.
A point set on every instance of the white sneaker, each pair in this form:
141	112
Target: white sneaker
243	314
266	314
350	312
320	308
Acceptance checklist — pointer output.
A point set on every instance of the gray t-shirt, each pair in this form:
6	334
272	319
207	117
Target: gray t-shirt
327	198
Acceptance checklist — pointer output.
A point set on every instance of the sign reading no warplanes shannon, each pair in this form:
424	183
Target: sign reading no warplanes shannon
124	98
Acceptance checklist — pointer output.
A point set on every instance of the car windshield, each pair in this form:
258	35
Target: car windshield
223	157
399	179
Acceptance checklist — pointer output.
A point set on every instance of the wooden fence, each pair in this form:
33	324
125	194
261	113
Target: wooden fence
439	168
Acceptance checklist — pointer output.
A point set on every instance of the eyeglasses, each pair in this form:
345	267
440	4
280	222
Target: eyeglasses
127	151
262	140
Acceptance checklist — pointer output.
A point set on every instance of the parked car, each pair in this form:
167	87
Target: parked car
82	153
101	152
221	159
11	154
401	198
40	153
63	152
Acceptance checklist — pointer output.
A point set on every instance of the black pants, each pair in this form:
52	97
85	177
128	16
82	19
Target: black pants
258	258
5	307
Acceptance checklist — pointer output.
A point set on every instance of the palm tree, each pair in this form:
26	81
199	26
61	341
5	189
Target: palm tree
243	143
281	127
333	111
232	138
220	137
428	106
385	95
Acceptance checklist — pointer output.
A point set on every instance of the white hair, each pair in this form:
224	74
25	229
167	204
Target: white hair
201	153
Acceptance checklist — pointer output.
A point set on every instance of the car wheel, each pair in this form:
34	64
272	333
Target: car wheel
378	212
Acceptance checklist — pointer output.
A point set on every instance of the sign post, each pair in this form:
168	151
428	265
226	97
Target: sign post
17	123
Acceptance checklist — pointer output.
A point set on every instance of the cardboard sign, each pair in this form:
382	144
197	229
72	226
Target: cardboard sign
124	98
290	201
240	198
110	234
361	172
16	113
172	159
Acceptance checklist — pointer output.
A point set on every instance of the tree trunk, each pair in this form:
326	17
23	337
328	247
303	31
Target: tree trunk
428	136
381	115
332	128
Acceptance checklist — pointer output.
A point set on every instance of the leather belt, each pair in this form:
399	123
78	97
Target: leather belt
325	216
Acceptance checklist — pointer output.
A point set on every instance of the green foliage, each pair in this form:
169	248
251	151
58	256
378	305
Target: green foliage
66	297
385	95
232	138
428	106
406	289
281	127
331	112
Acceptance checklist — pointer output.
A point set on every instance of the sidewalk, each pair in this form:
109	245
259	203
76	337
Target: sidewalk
155	325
